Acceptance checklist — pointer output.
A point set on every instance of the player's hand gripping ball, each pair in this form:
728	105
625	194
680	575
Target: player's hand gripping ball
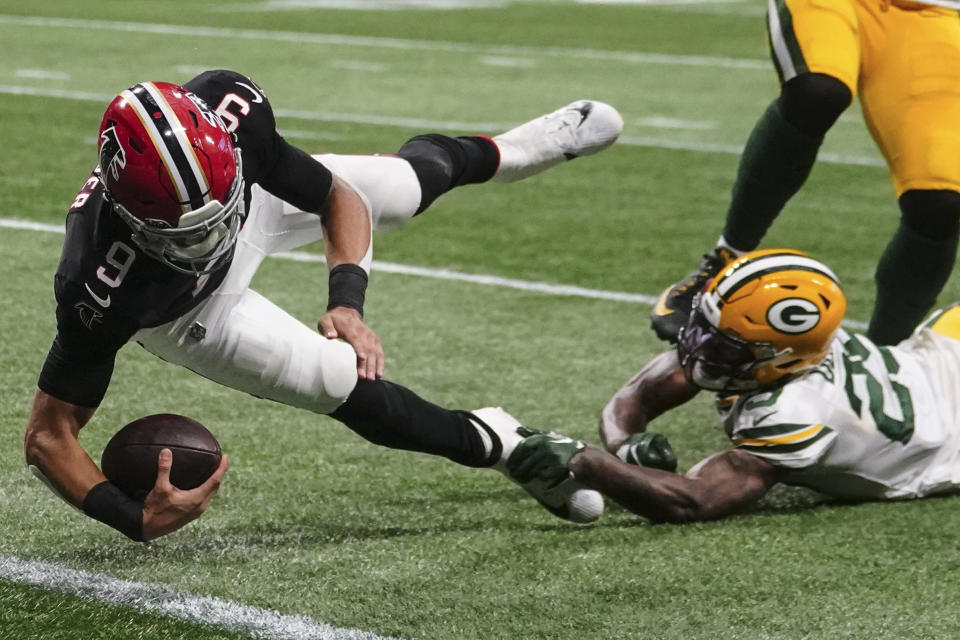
130	458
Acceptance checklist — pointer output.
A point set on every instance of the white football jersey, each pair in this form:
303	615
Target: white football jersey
868	422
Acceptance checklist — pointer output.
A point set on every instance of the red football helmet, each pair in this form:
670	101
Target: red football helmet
172	173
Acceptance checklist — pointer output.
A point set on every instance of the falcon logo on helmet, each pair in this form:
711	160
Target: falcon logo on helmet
112	157
767	316
181	185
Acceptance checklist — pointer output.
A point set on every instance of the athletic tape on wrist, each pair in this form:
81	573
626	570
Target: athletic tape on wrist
111	506
348	287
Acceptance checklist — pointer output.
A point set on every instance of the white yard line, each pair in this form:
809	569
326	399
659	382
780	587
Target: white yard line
66	94
358	5
732	149
31	226
424	272
454	125
665	3
547	288
487	280
41	74
191	32
165	601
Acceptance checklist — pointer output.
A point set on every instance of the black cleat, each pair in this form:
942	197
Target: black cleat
673	308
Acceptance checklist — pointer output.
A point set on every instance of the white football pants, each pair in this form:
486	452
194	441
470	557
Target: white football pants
242	340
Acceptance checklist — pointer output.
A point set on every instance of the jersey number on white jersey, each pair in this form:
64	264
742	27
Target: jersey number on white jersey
899	430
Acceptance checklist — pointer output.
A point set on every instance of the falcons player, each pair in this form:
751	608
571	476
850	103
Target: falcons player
193	189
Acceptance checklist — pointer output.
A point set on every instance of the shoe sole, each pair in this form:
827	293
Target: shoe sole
661	310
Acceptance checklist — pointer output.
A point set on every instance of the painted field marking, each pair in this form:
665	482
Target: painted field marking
360	5
660	122
358	65
547	288
664	3
41	74
731	149
478	127
188	31
165	601
508	62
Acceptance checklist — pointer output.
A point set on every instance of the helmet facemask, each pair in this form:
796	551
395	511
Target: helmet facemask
717	361
768	317
204	238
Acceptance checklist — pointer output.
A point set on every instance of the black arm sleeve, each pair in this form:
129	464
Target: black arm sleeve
297	178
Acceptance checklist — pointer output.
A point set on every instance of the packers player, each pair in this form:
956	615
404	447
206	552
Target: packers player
903	61
803	402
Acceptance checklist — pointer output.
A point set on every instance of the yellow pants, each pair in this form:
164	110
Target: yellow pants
902	59
947	323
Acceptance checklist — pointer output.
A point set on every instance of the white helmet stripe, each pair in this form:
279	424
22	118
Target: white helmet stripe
156	138
179	160
748	271
182	140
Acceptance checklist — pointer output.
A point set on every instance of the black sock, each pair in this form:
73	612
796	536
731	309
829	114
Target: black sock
442	163
775	163
911	273
392	416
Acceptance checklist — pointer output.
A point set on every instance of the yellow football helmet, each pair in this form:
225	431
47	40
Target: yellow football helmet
767	315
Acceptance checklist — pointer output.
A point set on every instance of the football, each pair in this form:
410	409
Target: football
130	458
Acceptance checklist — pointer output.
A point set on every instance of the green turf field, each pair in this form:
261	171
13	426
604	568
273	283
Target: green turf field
312	523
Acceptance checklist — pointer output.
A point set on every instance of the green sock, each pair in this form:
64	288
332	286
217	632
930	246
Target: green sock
775	163
911	273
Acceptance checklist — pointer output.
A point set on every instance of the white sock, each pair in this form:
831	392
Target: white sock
503	426
723	244
485	437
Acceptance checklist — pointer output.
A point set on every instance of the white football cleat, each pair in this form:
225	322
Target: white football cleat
579	129
569	499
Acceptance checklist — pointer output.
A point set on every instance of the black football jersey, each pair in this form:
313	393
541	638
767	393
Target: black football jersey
107	289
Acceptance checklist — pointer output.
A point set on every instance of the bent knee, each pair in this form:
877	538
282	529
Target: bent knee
812	102
431	157
337	373
934	214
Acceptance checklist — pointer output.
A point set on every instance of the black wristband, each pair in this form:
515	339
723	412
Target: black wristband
348	287
111	506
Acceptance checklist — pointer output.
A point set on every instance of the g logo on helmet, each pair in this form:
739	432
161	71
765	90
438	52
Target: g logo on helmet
793	315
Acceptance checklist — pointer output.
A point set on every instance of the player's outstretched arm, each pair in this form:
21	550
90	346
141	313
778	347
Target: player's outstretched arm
53	451
655	389
347	243
55	455
718	486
